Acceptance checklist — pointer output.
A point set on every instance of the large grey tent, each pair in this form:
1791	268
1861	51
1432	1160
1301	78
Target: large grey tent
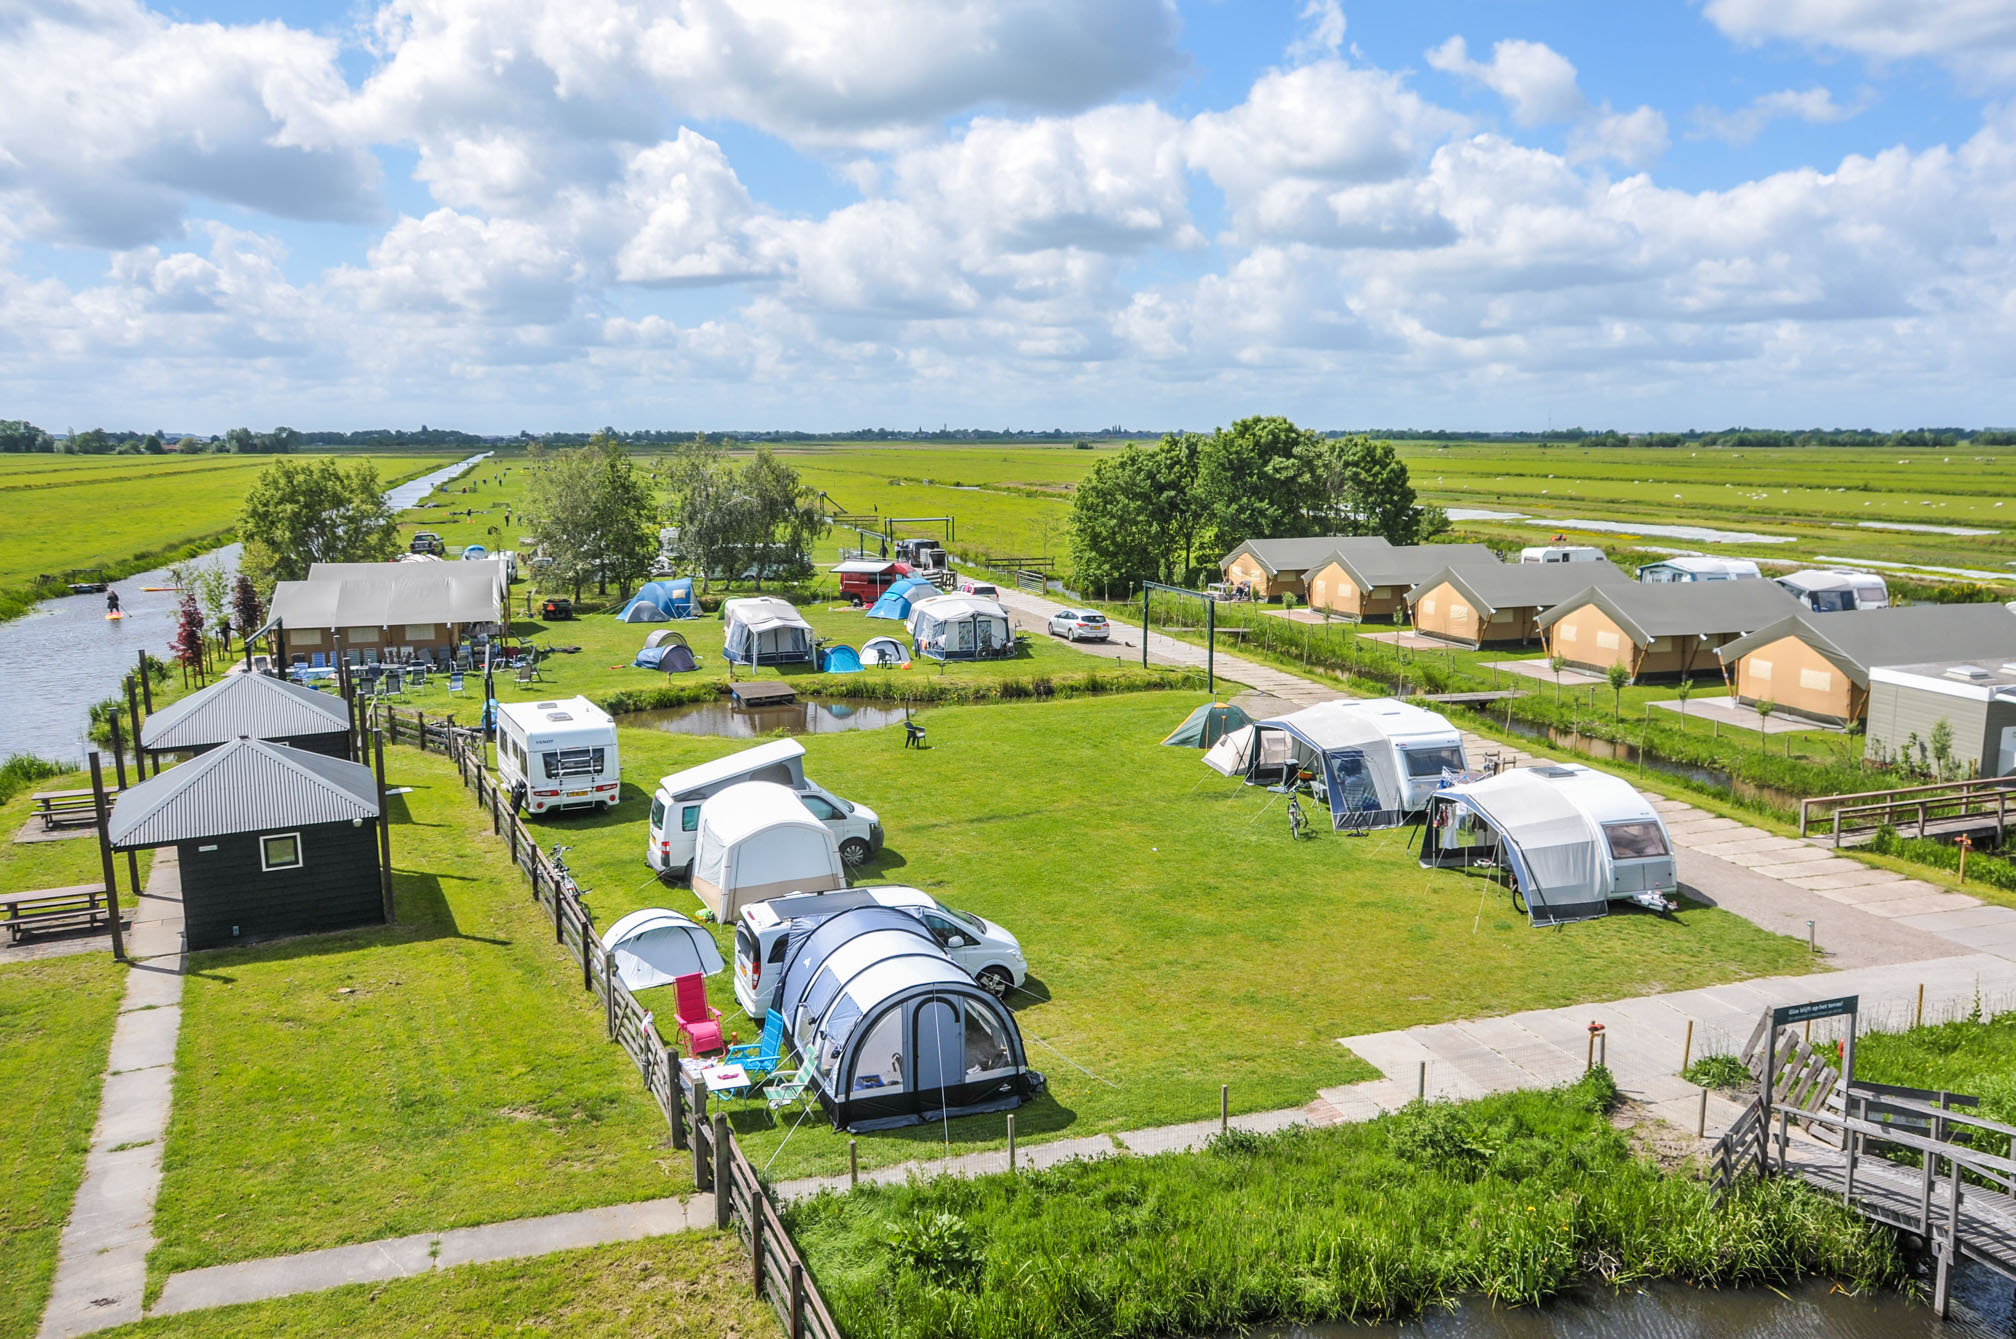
1376	760
898	1032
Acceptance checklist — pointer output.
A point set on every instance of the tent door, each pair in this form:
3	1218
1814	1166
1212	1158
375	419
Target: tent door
1351	787
940	1046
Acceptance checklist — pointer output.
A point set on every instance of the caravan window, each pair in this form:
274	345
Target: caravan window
573	762
1430	762
1635	841
657	814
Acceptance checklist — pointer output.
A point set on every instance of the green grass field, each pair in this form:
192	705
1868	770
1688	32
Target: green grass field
57	864
126	513
1177	938
443	1072
56	1019
691	1286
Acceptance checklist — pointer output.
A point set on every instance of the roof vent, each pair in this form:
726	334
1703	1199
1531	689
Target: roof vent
1969	673
1556	772
558	716
546	706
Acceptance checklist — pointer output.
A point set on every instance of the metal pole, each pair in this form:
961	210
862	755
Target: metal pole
1011	1141
384	832
1144	626
104	812
1211	647
1224	1107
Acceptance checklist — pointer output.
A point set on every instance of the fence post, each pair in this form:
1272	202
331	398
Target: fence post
854	1165
587	951
797	1300
1011	1141
703	1170
1687	1051
1224	1107
609	990
755	1239
724	1194
674	1087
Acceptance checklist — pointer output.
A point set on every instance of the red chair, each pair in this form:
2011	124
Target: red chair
700	1021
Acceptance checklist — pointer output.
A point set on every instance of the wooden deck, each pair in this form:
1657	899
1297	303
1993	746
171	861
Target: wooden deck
1897	1195
766	693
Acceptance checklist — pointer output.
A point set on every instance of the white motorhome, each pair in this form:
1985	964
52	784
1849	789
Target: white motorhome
675	806
1561	553
1828	591
558	755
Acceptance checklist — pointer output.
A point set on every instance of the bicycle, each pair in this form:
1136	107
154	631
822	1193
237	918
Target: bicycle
1297	821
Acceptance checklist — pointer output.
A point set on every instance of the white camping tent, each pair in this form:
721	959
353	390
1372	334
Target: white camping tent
757	841
1574	839
654	946
1377	760
884	651
760	630
961	627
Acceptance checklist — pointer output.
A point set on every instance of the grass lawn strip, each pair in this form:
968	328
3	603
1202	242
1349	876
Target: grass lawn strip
1178	938
444	1072
56	1019
1515	1197
689	1286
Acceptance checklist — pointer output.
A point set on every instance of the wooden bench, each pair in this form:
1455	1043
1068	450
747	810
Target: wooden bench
65	808
82	904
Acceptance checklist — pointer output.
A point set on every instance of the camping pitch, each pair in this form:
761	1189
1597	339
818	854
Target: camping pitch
757	840
1375	761
1573	840
1207	725
763	630
962	627
885	651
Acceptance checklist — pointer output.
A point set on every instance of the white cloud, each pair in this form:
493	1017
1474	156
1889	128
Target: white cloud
1815	106
454	267
695	216
1974	37
1536	81
1322	31
1635	139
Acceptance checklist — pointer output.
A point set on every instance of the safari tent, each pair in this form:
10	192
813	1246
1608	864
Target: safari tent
1207	725
885	651
900	599
1817	665
1277	567
654	947
1572	839
1372	583
962	627
1662	629
1376	760
898	1033
763	630
757	840
1478	606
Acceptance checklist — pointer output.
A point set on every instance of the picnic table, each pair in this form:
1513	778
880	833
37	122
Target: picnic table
52	908
61	808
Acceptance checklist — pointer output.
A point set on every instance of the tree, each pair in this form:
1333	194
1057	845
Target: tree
1764	706
1942	746
21	435
239	441
1377	495
209	582
778	515
1258	479
245	606
90	442
188	640
703	489
1683	690
304	512
1557	663
1618	675
1134	517
590	512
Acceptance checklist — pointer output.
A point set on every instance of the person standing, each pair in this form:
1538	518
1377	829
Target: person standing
111	603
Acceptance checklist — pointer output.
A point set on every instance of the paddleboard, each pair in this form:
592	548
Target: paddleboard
110	617
160	588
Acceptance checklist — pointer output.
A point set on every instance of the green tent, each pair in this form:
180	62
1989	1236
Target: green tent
1208	724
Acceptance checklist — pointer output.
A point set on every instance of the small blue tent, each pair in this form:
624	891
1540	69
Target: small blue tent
840	660
674	595
641	610
672	658
897	600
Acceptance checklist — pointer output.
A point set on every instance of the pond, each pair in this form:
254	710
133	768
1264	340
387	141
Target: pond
64	654
806	717
1982	1310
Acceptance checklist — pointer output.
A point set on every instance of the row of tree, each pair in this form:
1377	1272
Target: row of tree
756	517
19	435
1168	512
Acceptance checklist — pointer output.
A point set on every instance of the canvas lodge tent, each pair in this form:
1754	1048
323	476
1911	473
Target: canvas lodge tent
1660	629
757	840
1278	567
898	1033
1573	839
763	630
1370	583
1479	606
372	609
1817	665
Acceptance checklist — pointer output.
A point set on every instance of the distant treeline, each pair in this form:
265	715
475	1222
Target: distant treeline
1761	438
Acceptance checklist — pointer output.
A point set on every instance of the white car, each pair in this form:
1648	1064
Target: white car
1079	625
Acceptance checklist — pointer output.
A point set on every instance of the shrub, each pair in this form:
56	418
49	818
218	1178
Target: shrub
22	770
1724	1072
938	1246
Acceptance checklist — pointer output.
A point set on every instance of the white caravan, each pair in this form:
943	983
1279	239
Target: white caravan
1561	553
558	755
1827	591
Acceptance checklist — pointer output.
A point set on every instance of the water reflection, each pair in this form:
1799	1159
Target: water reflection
799	718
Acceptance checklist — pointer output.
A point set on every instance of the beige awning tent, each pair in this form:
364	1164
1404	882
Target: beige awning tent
757	841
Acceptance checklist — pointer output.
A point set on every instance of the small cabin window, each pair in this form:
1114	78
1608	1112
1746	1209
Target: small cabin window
1428	606
1819	681
1458	612
1606	640
689	818
419	632
1760	669
281	851
305	636
1568	632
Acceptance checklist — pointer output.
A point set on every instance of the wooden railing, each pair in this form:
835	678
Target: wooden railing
778	1271
1864	812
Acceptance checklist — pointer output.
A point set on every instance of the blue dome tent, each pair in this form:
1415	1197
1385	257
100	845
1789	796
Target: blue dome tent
641	610
674	595
666	651
899	599
840	660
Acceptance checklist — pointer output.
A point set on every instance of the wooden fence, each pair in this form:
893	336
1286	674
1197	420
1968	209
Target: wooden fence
777	1271
1940	807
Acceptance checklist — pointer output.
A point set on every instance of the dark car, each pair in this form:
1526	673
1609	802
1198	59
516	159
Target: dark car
558	607
427	542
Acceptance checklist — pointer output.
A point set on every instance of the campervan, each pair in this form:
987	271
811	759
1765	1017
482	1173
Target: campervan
988	953
1561	553
558	755
675	806
1826	591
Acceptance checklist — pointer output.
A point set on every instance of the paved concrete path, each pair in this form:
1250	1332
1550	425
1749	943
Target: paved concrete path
423	1252
101	1262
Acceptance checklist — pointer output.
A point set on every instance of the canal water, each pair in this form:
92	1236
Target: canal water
1982	1310
800	718
64	654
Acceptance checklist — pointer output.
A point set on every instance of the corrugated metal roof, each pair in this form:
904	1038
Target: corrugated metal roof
1683	608
258	705
1299	555
383	595
1522	585
1405	564
247	785
1857	641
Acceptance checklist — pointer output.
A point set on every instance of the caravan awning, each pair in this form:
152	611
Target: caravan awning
1545	838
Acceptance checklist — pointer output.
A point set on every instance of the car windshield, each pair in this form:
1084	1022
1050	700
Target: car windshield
1427	762
967	918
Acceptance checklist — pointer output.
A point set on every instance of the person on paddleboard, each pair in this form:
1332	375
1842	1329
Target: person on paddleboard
111	602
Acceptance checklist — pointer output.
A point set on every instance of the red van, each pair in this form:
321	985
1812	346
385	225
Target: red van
863	580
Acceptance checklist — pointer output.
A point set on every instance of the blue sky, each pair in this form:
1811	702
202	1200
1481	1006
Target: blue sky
759	213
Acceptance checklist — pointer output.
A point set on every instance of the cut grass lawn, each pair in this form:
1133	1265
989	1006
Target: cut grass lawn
689	1286
58	864
444	1072
56	1019
1177	936
1973	1056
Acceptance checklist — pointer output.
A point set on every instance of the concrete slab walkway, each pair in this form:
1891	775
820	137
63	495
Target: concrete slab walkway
101	1261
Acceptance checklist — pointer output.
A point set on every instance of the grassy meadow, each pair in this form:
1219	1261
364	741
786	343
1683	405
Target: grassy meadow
1177	938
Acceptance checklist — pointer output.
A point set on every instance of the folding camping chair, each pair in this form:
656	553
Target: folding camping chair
417	679
699	1020
455	681
760	1058
781	1093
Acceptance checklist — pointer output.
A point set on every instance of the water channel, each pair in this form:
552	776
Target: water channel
799	718
64	654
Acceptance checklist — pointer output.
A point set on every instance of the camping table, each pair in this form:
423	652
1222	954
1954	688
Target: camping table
85	902
59	807
726	1080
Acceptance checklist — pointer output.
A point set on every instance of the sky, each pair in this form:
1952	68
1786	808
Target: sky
502	215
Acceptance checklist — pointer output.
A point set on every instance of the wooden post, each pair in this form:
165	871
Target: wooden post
384	836
1701	1119
1949	1253
724	1198
587	954
133	715
1687	1050
146	688
854	1165
103	810
797	1300
1918	1020
702	1169
755	1241
1224	1107
1764	1095
1011	1141
119	763
1858	1107
609	990
1421	1083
